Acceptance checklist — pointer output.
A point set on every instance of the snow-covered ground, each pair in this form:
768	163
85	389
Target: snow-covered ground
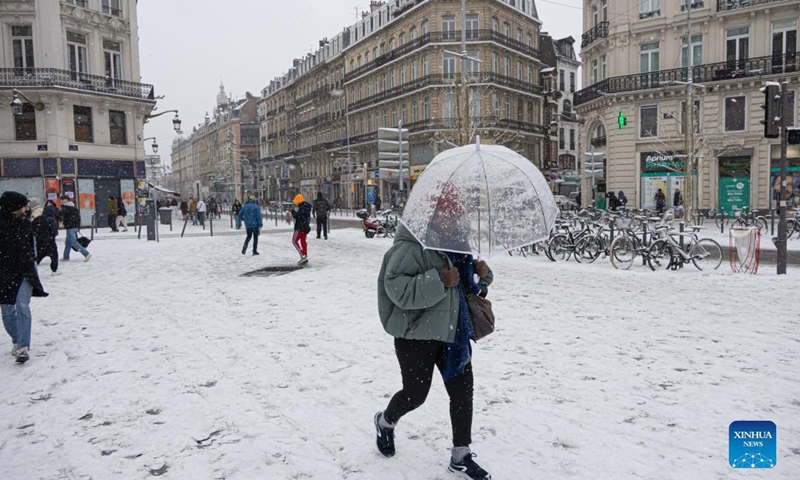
156	357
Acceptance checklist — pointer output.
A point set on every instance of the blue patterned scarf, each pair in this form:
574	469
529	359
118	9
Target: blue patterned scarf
459	353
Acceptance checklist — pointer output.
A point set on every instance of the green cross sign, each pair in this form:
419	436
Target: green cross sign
621	120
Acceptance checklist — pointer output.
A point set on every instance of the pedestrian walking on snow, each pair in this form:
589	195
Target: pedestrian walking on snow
321	211
201	213
422	303
19	280
193	210
236	208
302	225
122	215
111	212
250	214
44	226
72	224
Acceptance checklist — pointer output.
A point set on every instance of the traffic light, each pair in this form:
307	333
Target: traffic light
772	110
621	120
793	136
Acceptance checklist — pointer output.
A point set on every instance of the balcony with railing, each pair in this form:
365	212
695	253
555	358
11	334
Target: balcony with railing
598	31
442	37
51	77
108	10
711	72
726	5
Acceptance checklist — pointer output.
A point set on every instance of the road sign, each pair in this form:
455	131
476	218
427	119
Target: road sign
389	173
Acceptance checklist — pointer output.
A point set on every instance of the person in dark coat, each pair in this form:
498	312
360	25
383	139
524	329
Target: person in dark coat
111	212
237	207
72	224
250	214
122	215
661	201
622	200
321	211
378	204
19	280
45	231
612	201
302	225
184	209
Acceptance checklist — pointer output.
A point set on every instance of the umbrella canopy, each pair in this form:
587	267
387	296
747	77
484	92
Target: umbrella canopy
480	200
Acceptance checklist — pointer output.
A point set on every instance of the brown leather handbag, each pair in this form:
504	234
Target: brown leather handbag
480	311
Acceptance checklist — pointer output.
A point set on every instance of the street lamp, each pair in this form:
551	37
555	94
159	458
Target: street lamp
176	122
16	103
154	146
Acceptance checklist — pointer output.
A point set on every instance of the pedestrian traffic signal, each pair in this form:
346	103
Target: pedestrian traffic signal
793	136
772	110
621	120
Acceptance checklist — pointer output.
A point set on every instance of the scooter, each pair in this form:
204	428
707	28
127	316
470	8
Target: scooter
370	228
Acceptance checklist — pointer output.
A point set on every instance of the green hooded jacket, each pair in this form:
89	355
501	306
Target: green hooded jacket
413	302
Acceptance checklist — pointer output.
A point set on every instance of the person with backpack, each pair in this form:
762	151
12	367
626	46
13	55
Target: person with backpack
302	225
250	214
19	280
45	231
612	201
321	211
622	201
72	224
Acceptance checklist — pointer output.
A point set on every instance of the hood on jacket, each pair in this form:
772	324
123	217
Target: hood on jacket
298	199
12	201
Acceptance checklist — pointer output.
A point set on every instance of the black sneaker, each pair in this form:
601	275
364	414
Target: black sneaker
385	437
22	355
256	253
244	250
467	468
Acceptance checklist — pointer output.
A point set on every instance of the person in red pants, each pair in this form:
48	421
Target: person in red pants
302	225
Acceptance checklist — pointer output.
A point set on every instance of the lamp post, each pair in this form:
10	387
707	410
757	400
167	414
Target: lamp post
17	104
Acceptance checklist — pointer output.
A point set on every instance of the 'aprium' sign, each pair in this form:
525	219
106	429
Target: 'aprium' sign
752	444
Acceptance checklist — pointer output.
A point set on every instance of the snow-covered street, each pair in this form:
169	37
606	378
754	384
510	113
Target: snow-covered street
160	359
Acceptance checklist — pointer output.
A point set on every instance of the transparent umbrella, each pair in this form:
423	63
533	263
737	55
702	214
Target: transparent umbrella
480	200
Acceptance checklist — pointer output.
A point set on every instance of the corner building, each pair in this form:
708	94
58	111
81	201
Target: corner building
320	119
633	52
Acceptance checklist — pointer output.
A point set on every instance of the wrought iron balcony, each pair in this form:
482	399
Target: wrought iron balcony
711	72
598	31
725	5
51	77
598	141
442	37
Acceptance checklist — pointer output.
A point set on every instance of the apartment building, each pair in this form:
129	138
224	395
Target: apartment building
71	68
635	56
219	158
560	81
399	63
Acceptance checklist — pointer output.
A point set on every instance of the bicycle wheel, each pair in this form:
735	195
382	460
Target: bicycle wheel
588	249
792	227
557	248
623	252
659	254
706	254
761	223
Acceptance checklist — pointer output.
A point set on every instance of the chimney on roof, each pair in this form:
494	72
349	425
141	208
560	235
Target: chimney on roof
373	5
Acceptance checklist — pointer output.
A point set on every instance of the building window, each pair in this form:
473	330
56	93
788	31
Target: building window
413	33
83	124
116	123
649	8
413	70
77	57
473	25
697	51
595	16
79	3
25	124
594	71
507	29
425	29
561	138
648	124
448	27
530	40
426	66
394	115
404	113
386	118
448	65
22	45
784	45
495	62
735	113
519	70
391	44
603	69
506	67
475	104
448	105
508	106
561	81
393	78
426	108
113	60
403	75
414	115
649	64
572	139
737	47
604	10
519	35
530	73
495	24
472	67
113	7
402	38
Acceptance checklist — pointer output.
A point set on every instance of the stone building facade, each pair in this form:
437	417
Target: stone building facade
399	63
636	55
74	66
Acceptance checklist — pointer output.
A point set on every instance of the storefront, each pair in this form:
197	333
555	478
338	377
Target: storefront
88	182
660	171
792	174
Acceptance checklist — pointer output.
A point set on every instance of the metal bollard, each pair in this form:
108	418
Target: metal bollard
170	223
211	225
680	229
93	227
772	220
185	222
722	222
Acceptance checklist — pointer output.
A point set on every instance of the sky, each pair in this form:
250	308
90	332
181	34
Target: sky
187	47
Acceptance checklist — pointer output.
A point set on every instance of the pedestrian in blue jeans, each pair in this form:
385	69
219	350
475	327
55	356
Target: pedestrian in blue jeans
72	223
250	214
19	280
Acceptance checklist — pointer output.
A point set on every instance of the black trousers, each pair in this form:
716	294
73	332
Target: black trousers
252	232
417	359
51	251
322	226
112	222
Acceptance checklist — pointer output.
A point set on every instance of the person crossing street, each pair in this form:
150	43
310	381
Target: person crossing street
302	220
250	214
321	211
